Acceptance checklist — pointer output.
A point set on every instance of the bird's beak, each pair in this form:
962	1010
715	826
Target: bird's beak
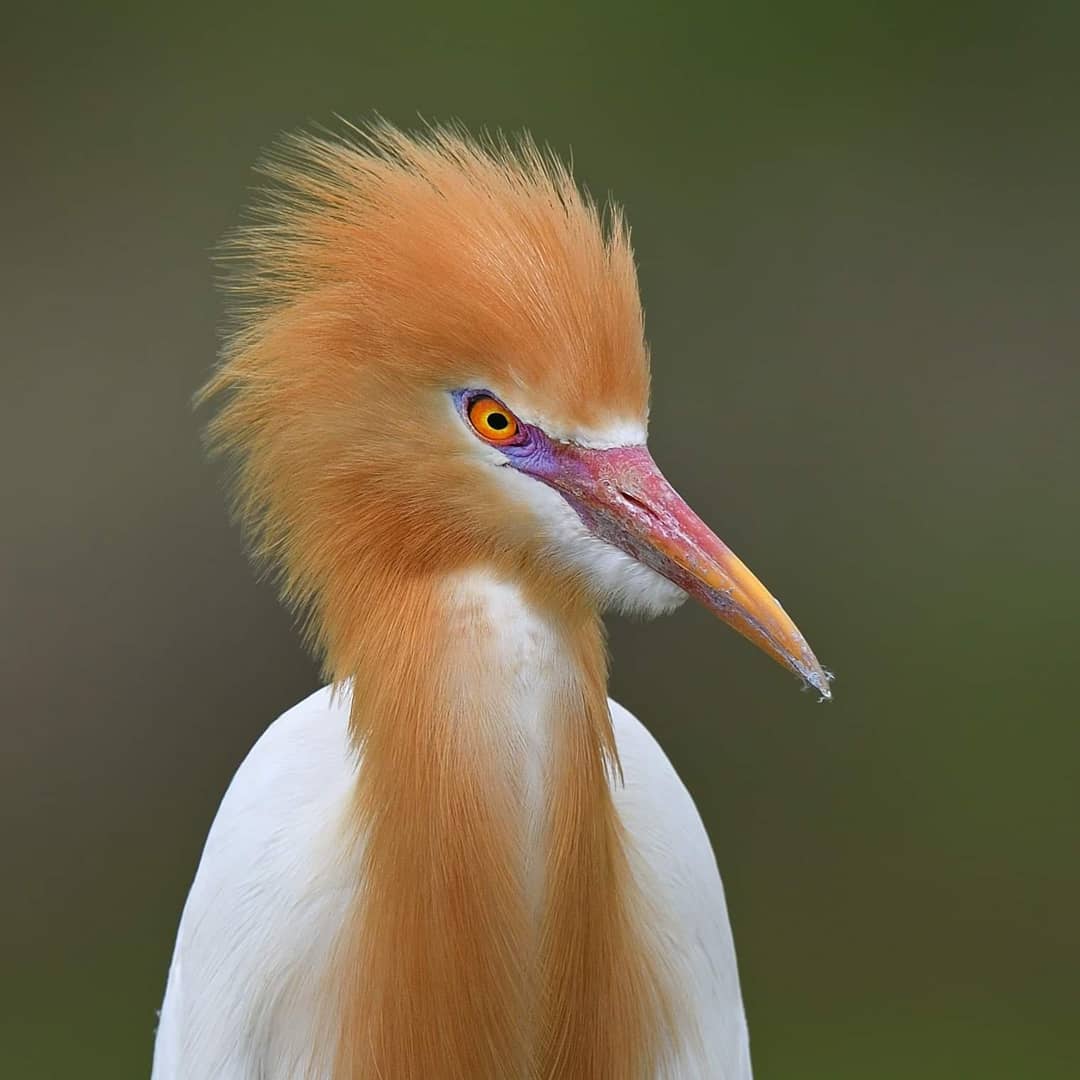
623	498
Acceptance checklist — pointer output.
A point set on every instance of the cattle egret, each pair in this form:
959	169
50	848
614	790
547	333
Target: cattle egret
460	859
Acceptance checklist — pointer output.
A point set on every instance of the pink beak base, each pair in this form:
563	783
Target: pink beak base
623	498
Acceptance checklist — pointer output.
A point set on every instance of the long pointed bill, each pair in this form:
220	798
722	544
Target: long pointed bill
623	497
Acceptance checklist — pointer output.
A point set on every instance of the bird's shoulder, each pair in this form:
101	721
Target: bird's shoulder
663	825
679	872
282	820
268	897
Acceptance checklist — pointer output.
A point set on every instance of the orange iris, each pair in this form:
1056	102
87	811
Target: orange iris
492	420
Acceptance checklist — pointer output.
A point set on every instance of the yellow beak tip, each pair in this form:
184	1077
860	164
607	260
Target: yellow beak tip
819	680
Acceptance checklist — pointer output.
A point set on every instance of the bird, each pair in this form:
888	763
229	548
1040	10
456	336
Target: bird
459	859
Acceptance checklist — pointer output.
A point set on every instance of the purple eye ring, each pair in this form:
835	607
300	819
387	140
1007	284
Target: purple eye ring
496	425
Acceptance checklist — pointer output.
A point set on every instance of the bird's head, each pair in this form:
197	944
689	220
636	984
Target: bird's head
439	364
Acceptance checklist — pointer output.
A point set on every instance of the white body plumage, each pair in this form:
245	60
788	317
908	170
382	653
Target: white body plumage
275	882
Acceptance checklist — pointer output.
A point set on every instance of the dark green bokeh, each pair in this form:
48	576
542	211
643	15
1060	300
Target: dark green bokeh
858	235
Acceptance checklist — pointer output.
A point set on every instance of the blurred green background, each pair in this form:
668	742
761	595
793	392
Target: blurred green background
859	241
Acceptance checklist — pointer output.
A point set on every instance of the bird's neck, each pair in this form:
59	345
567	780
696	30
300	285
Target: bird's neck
498	929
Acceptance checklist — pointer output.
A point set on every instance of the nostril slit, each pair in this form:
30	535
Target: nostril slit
636	502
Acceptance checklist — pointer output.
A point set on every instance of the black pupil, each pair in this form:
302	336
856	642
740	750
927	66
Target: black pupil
498	421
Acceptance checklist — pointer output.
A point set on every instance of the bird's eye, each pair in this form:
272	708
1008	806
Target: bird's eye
492	421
